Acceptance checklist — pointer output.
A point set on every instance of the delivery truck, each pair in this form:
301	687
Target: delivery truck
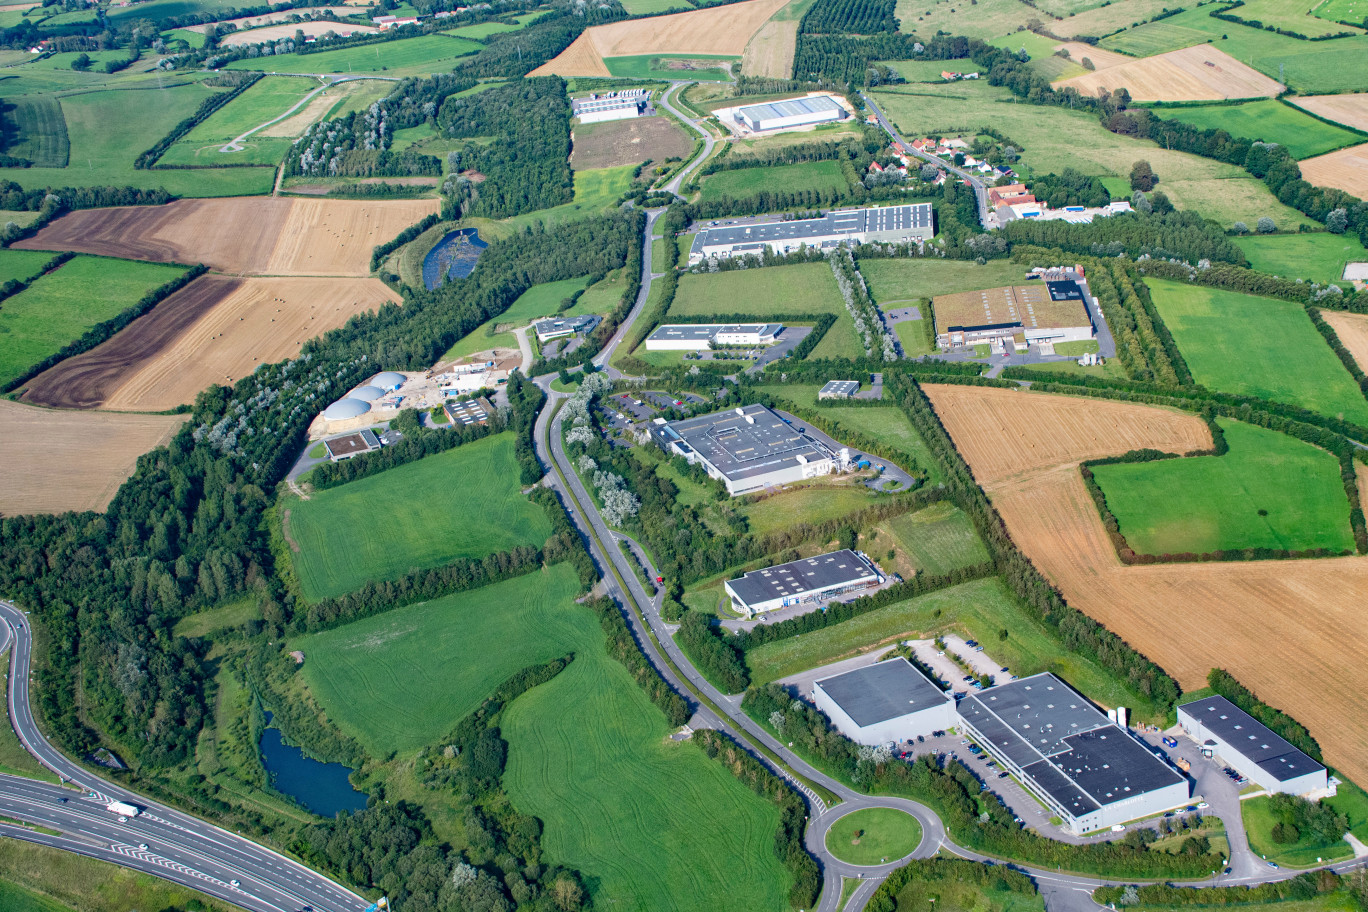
124	809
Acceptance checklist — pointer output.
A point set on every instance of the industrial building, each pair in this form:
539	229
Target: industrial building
839	389
621	105
745	448
884	702
1023	314
702	336
468	411
562	327
1246	744
1090	771
793	112
349	445
810	579
914	222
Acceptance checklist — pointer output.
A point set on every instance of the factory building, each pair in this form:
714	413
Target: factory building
1019	314
612	106
885	702
914	222
793	112
1087	769
563	327
1246	744
810	579
702	336
349	445
746	449
839	389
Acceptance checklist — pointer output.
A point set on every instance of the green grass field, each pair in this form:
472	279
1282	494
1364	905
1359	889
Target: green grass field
1305	852
1329	902
939	538
945	895
1355	11
22	264
42	133
400	680
652	823
461	503
1311	68
595	191
13	758
810	503
807	288
1269	491
647	7
17	899
1319	257
1256	346
481	30
1269	121
705	67
59	307
978	610
743	182
988	18
913	336
421	56
893	282
873	836
538	301
1289	17
270	97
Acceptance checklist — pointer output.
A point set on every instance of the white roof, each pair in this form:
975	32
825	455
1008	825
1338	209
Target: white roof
346	408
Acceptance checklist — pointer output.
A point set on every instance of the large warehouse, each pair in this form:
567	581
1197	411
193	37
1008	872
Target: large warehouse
1025	314
702	336
621	105
895	224
884	702
792	112
745	448
1080	763
1251	747
811	579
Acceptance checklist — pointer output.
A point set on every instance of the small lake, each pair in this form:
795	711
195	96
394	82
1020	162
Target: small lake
455	255
321	787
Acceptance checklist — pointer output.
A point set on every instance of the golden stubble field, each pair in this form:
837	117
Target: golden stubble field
1346	169
58	461
1352	330
1290	630
1350	110
1199	73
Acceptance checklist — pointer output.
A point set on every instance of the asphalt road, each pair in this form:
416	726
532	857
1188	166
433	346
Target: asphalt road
708	141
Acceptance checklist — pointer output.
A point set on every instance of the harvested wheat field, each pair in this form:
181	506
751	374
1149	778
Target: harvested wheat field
58	461
1290	630
1346	169
1352	330
1101	58
287	30
240	235
1350	110
1199	73
215	330
720	30
770	51
249	22
311	113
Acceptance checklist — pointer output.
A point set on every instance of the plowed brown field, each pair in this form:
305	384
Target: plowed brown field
57	461
1352	330
1199	73
241	235
216	330
1345	170
1350	110
1291	630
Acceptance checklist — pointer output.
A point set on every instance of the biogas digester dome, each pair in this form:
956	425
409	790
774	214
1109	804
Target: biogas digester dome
366	393
388	380
346	408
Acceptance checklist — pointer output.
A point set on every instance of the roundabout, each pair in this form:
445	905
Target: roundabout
873	836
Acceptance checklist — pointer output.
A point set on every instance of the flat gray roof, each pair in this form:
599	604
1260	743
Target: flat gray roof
837	223
839	388
743	449
810	574
1065	744
702	332
883	691
818	104
1257	742
562	324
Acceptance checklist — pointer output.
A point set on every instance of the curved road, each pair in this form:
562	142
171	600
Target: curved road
708	141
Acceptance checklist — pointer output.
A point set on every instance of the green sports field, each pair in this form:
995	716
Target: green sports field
1269	491
421	56
806	288
1319	257
1240	343
873	836
744	182
652	823
59	307
461	503
1269	121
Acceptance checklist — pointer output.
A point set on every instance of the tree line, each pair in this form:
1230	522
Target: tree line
860	17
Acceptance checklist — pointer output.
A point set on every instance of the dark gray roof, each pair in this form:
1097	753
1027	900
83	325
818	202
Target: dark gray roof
883	691
1255	741
1064	743
564	324
809	574
837	223
1067	290
739	448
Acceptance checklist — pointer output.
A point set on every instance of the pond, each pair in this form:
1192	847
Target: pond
321	787
455	255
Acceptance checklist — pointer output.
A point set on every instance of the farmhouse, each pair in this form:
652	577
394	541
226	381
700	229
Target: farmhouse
746	448
1080	763
793	112
1048	312
914	222
884	702
1251	747
811	579
702	336
613	106
839	389
349	445
563	327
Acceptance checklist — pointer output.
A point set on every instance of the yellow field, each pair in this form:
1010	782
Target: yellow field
1104	20
319	105
1350	110
288	29
1352	330
1290	630
57	461
1101	57
248	22
720	30
1346	169
1199	73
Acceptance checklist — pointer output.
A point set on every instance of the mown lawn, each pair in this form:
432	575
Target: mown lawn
465	502
1305	852
1240	343
1269	121
1269	491
873	836
400	680
939	538
743	182
897	281
1319	257
59	307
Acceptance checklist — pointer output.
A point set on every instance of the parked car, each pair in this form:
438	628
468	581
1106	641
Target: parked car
1170	742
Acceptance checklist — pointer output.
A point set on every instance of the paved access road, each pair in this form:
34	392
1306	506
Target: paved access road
160	841
708	141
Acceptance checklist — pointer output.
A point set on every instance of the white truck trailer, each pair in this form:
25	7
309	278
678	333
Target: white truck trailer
123	809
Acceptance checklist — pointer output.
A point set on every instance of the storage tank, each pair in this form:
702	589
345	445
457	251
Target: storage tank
367	393
346	408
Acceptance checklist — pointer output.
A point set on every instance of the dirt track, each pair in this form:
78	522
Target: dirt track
1346	170
1290	630
1199	73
